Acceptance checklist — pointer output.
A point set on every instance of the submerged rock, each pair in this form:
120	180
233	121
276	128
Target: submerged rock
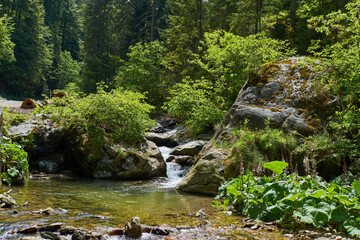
133	229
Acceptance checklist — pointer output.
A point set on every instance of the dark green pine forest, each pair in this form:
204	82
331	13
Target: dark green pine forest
47	45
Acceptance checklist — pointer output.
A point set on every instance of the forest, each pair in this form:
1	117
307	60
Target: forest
205	64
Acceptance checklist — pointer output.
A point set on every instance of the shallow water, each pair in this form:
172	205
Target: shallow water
90	203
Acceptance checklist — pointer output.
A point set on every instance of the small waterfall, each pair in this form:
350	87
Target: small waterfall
174	171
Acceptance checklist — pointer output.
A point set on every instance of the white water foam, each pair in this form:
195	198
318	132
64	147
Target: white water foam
174	171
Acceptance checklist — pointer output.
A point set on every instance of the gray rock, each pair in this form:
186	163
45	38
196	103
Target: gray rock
53	163
151	150
185	160
50	235
23	129
269	90
206	176
162	139
7	201
158	128
133	229
191	148
78	235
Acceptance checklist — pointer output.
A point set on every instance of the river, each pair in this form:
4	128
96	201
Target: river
93	203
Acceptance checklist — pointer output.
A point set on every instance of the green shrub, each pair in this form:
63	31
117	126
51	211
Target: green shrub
292	200
119	115
229	60
251	148
337	67
14	163
194	102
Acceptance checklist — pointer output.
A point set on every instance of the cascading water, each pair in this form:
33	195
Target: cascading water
174	171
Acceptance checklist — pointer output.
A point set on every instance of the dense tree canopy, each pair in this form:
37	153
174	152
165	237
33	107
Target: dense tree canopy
99	34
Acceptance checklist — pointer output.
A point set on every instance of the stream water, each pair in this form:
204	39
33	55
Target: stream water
97	203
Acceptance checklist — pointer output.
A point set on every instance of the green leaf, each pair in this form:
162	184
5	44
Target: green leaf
356	185
276	166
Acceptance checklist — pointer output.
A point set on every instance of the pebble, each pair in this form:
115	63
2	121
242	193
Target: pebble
288	235
255	227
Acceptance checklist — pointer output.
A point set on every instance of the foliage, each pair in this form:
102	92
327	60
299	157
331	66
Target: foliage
186	28
292	199
338	73
6	46
144	71
14	163
194	102
13	118
119	115
276	166
229	60
251	148
27	75
68	70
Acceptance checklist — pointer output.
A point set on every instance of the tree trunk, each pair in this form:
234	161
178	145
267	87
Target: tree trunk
152	21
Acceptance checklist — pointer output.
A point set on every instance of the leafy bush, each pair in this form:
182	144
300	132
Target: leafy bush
14	163
229	60
194	102
293	200
338	73
118	115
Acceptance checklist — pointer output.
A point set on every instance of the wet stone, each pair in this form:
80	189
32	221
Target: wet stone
255	227
78	235
114	232
160	231
50	235
50	227
28	230
66	230
133	229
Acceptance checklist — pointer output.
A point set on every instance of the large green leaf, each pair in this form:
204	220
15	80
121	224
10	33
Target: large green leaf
276	166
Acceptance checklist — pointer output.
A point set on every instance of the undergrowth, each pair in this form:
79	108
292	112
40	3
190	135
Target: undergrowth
294	201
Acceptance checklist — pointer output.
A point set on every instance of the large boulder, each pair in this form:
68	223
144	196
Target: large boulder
42	136
206	176
53	149
280	96
118	161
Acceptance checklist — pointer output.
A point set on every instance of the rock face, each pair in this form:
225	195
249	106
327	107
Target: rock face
45	143
121	162
53	149
281	96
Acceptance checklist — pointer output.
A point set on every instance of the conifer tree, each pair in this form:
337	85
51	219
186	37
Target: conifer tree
27	75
